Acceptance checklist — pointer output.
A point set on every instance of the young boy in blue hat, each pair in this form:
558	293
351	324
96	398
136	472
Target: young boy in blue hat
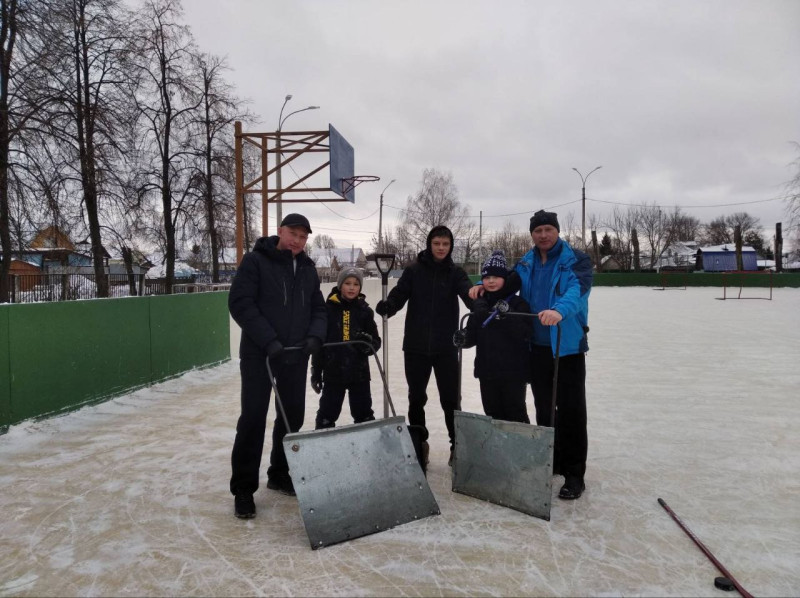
501	356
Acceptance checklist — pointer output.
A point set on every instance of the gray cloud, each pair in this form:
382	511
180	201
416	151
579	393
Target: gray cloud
683	103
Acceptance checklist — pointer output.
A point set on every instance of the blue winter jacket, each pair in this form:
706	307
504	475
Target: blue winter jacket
569	295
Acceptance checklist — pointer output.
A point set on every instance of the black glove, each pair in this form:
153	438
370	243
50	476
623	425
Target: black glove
367	338
502	307
274	349
480	307
384	309
460	338
310	345
316	380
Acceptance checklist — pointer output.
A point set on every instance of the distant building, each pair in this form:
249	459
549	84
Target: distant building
722	258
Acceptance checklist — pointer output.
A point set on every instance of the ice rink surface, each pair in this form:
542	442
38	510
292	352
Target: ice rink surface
690	399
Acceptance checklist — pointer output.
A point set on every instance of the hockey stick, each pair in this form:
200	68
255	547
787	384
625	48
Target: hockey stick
705	550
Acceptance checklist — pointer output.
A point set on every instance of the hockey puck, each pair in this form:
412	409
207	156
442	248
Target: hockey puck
723	583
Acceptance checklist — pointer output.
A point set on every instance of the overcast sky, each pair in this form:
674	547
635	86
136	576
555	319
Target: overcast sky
690	103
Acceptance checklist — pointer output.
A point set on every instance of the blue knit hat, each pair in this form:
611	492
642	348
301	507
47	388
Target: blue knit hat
495	265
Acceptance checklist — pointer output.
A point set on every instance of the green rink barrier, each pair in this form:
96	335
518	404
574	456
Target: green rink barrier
692	279
56	357
204	332
5	377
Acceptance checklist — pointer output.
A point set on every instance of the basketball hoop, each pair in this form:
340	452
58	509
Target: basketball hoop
352	182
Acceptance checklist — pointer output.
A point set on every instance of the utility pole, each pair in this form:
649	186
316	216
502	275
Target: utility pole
480	243
583	203
380	219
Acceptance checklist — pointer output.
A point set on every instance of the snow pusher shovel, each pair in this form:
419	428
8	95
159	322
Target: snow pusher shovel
356	479
502	462
384	262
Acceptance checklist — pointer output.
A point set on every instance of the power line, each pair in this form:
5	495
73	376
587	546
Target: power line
688	207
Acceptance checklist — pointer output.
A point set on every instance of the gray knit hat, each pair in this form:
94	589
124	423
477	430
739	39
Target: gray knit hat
495	265
347	273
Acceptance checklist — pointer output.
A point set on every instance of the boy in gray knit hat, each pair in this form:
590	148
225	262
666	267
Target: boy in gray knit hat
343	369
501	356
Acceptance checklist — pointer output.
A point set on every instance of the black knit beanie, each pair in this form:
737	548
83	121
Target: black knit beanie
541	217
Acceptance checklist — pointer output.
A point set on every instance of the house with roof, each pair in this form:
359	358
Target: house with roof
680	255
51	251
327	266
722	258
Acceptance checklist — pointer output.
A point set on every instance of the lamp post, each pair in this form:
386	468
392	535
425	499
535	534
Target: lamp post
282	119
380	219
583	203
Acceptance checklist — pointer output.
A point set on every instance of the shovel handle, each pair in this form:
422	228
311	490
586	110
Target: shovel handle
275	388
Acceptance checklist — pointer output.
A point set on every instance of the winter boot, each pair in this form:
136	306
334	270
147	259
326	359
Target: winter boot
419	438
573	488
281	482
243	506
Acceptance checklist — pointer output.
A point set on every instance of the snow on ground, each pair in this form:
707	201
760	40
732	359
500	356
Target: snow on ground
690	399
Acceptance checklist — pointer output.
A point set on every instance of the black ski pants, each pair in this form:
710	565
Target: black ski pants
418	373
332	399
504	399
571	439
290	379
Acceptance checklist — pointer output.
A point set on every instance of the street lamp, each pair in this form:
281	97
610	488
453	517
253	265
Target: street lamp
583	204
282	119
380	219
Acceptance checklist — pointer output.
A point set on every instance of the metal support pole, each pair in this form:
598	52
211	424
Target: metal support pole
237	127
278	188
583	217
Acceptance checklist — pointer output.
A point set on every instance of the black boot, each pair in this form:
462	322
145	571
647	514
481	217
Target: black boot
243	506
573	488
281	482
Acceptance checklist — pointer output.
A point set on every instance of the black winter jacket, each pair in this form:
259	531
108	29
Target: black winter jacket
432	290
345	319
271	301
502	346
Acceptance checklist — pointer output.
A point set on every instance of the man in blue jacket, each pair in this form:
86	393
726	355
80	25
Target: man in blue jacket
276	299
555	280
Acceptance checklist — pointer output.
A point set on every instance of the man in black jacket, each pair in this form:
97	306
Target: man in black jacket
431	286
276	300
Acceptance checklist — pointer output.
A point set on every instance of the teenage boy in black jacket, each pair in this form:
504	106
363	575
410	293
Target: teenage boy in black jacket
501	357
431	286
345	369
276	299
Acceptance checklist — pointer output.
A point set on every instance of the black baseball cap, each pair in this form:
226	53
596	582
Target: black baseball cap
296	220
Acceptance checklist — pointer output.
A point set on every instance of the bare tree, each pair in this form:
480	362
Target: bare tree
652	222
166	102
721	230
92	80
24	103
621	225
511	241
435	203
682	227
793	191
219	109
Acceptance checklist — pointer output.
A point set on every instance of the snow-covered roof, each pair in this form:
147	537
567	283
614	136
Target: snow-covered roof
182	270
322	261
725	247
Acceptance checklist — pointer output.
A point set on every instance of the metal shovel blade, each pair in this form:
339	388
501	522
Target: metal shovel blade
506	463
356	480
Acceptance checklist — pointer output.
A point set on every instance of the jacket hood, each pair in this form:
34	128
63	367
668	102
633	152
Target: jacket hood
269	247
427	255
